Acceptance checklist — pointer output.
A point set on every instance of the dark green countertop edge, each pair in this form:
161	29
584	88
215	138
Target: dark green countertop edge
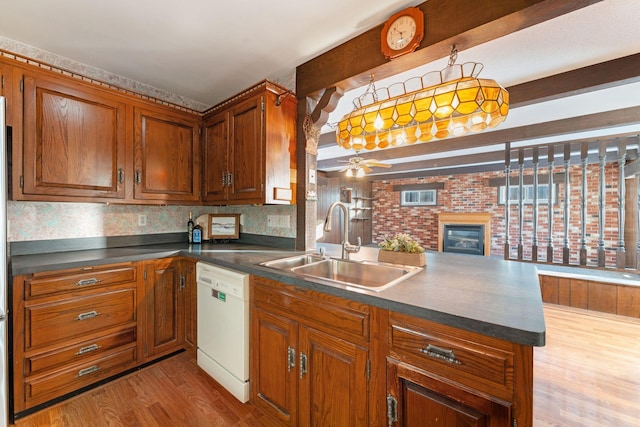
247	257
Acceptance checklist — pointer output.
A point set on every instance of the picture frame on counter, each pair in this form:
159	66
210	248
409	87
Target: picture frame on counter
224	226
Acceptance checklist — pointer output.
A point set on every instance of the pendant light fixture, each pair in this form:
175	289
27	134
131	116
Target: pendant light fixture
440	104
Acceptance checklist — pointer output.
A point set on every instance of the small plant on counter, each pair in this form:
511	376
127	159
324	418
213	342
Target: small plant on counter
401	242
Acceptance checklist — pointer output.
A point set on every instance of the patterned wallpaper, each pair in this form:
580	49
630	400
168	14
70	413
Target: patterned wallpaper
46	221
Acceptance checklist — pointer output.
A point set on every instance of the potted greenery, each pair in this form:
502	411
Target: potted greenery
402	249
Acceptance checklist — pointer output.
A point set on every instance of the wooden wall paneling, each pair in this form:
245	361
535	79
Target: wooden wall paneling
579	293
628	303
564	291
507	189
603	297
633	221
549	289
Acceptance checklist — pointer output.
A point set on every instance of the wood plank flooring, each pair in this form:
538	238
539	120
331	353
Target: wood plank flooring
588	375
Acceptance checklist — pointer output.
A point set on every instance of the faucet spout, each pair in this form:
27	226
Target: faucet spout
347	247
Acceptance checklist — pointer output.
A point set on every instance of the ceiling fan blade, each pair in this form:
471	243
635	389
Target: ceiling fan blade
344	169
379	165
366	168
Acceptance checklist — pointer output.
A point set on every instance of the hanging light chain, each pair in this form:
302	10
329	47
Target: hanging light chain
453	56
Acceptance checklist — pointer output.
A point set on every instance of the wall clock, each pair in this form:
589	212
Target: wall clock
402	33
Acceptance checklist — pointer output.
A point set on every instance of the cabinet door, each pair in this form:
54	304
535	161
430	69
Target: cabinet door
417	399
74	141
163	299
167	158
246	150
190	291
333	381
274	373
216	151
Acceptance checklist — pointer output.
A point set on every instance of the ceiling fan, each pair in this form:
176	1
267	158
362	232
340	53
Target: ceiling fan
357	166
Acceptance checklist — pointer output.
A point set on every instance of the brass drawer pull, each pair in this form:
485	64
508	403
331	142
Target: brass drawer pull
87	371
291	356
87	349
86	282
440	353
87	315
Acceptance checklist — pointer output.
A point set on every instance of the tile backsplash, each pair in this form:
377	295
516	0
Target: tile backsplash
45	221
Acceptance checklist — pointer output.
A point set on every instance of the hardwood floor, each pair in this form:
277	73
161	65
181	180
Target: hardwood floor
587	375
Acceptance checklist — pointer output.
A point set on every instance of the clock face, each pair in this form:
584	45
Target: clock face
401	32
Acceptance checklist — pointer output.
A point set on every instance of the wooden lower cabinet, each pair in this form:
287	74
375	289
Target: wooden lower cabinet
190	315
164	308
72	328
417	398
319	360
304	370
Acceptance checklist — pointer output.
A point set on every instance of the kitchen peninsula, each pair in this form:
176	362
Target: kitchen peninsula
458	335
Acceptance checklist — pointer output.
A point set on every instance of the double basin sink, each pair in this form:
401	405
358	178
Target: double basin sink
368	275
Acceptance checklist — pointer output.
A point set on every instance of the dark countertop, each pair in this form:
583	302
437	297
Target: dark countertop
490	296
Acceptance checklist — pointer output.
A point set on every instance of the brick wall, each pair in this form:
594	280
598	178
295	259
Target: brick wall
472	193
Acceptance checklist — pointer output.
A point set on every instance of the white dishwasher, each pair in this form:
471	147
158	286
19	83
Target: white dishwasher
223	327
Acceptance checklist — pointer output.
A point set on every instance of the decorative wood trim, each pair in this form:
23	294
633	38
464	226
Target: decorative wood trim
425	186
327	103
473	218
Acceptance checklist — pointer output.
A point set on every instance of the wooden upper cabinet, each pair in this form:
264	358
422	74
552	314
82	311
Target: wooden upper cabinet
216	149
249	148
246	159
74	141
167	159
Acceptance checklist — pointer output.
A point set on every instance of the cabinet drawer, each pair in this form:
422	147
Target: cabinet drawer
78	352
466	358
58	321
41	284
342	318
45	387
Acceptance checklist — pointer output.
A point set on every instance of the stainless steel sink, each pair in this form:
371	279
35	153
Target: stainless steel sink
294	261
368	275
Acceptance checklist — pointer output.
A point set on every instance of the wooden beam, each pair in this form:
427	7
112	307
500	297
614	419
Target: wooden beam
466	23
587	79
327	103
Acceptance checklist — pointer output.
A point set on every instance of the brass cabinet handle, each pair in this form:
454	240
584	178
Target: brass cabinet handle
303	364
138	177
440	353
88	315
87	371
291	356
86	282
87	349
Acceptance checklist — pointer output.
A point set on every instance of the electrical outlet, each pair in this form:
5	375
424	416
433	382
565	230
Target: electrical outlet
142	220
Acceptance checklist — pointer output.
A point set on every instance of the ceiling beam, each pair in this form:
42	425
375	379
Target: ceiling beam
349	65
604	75
620	117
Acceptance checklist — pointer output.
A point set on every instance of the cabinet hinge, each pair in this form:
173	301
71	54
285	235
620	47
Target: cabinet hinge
144	274
368	369
262	106
3	80
515	423
199	130
21	181
22	85
182	282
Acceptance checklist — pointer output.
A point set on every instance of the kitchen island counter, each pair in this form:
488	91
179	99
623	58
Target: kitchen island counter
485	295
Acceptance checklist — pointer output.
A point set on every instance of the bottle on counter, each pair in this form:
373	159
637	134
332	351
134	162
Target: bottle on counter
190	227
197	234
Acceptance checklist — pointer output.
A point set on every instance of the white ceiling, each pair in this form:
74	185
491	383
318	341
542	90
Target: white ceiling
206	51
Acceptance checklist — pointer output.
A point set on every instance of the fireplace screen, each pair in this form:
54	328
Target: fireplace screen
465	239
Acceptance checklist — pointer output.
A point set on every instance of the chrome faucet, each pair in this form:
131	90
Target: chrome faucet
347	247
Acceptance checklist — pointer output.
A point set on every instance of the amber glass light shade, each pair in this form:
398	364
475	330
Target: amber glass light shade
451	102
